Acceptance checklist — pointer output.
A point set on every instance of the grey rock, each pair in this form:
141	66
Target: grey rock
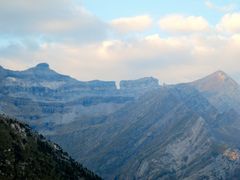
221	90
140	131
143	83
44	98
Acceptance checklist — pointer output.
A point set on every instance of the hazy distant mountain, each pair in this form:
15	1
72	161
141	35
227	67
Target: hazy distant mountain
221	90
26	155
46	99
139	86
140	131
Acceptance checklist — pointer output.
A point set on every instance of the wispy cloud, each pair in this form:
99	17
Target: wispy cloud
223	9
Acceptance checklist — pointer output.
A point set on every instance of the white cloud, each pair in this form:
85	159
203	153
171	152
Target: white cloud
132	24
75	42
224	9
56	20
184	24
168	59
230	23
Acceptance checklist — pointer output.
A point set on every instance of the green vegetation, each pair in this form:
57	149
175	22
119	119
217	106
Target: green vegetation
26	155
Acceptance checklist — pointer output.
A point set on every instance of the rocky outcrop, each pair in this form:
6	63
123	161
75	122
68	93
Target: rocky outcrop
141	84
42	66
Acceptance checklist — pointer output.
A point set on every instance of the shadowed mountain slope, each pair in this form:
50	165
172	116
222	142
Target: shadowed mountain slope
170	133
26	155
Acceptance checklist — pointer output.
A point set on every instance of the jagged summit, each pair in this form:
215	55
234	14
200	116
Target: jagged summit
216	81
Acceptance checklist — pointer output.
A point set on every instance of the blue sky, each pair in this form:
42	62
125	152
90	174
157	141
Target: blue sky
107	9
175	41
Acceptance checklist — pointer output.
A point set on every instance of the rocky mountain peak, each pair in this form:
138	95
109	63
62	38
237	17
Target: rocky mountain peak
42	72
42	66
221	90
219	80
220	75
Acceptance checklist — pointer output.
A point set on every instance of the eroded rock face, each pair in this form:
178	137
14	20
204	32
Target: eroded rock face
143	83
221	90
45	98
176	159
141	131
171	133
168	133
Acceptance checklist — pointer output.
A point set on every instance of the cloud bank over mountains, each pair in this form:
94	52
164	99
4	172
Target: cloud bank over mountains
175	47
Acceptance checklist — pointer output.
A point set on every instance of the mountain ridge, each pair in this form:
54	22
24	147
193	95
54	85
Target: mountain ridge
161	131
139	132
220	89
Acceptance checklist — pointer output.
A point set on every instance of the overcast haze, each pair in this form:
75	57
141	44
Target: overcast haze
174	41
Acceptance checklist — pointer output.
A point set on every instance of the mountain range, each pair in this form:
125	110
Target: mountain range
44	98
141	130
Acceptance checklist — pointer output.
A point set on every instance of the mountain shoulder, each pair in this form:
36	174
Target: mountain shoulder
24	154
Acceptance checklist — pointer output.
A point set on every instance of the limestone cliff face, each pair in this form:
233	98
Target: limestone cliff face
141	131
170	133
42	81
143	83
44	98
221	90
